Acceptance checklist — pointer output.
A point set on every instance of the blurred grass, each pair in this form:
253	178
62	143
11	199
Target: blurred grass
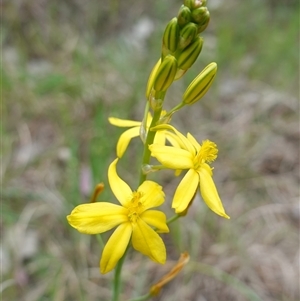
67	66
261	45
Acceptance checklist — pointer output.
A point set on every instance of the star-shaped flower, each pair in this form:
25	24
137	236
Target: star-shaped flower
194	157
133	220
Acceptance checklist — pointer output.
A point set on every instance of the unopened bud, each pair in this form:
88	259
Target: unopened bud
165	73
187	34
193	4
200	15
151	79
171	35
189	3
184	16
200	85
189	55
203	26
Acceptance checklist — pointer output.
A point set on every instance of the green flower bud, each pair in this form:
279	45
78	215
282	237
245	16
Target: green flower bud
204	25
171	35
165	73
192	4
199	15
187	35
189	3
189	55
200	85
151	79
184	15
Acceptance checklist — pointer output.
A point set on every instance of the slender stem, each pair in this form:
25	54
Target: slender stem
156	167
149	140
175	109
100	240
173	218
117	279
146	160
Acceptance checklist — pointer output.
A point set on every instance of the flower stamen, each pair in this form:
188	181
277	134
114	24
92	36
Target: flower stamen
206	154
135	207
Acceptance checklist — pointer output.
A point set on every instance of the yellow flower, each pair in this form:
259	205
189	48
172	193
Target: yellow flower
134	131
133	220
194	157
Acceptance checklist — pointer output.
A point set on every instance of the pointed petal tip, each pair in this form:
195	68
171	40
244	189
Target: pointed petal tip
178	209
103	271
226	216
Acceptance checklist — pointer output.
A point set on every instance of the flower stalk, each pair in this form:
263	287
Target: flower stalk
133	214
117	283
149	140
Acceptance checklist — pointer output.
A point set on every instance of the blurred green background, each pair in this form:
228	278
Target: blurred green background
69	65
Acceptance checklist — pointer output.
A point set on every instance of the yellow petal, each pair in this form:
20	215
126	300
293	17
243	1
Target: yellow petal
160	138
123	122
151	79
152	194
185	142
149	119
177	172
209	193
148	242
115	247
125	139
119	188
172	157
157	219
193	141
97	217
173	139
185	191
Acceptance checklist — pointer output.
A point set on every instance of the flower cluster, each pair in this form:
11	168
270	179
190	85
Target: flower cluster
136	223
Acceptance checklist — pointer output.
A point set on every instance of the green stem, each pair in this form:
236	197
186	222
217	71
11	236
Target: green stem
149	140
145	118
173	219
100	240
117	279
175	109
146	160
153	168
